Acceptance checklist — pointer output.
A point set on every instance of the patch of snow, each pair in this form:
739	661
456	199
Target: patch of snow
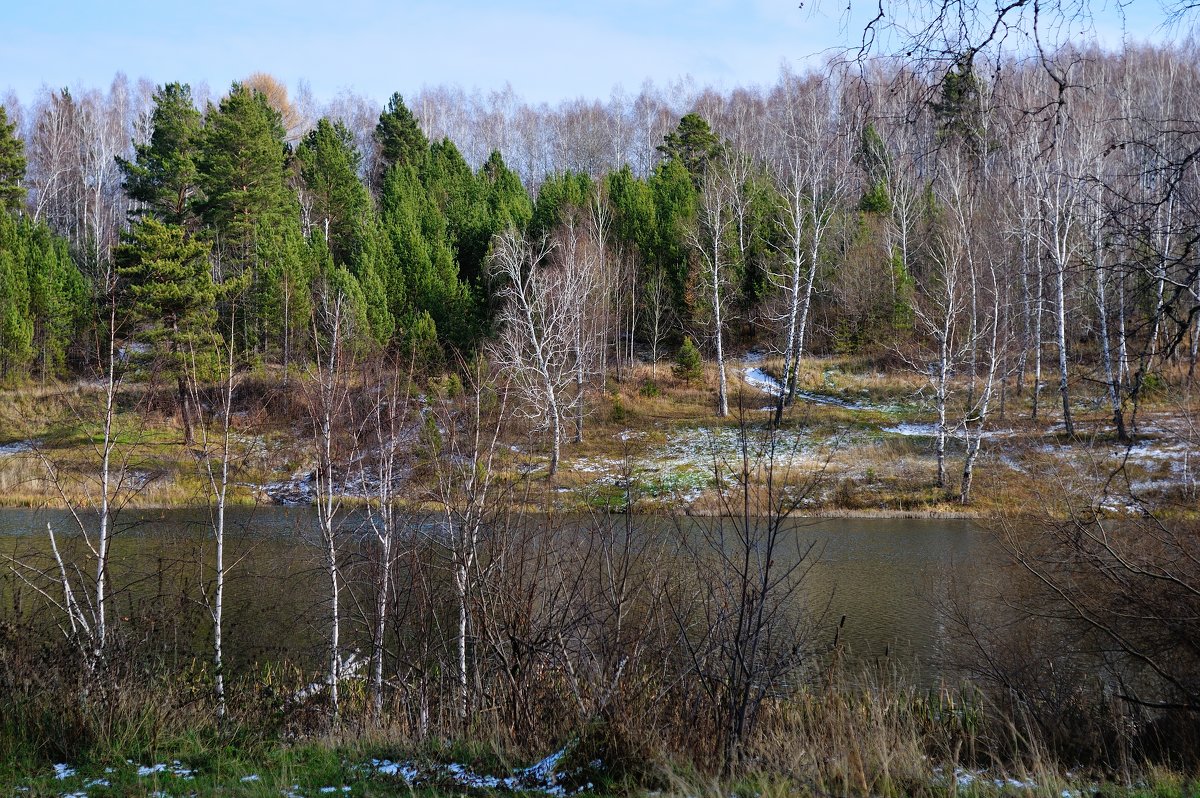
251	777
757	378
604	465
176	769
542	777
63	771
386	767
96	783
912	430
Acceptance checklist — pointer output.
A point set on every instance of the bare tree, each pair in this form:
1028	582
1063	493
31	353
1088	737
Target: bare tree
811	179
332	333
709	238
216	458
387	426
547	288
745	631
93	500
463	445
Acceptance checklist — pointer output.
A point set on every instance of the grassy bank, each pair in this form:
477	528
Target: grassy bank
864	437
860	737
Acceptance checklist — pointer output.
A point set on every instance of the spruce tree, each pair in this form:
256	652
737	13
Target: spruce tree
556	194
16	328
675	203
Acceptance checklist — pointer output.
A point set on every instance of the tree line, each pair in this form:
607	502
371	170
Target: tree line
1026	228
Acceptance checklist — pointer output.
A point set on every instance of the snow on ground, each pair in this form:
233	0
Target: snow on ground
759	379
544	777
175	769
910	429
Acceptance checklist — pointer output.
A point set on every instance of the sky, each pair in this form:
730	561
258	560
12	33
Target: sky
547	51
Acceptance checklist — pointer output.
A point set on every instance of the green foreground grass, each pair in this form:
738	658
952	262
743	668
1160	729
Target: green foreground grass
318	768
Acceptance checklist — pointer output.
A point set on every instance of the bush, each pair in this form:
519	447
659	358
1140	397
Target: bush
618	409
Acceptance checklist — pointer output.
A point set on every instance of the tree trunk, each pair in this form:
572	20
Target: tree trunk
1061	334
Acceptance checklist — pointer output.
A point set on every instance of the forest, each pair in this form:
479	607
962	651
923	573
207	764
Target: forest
553	388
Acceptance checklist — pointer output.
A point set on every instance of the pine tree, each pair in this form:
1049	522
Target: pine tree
340	203
169	291
163	175
692	144
688	364
12	166
242	167
399	136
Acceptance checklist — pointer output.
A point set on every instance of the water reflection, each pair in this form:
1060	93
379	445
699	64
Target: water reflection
883	575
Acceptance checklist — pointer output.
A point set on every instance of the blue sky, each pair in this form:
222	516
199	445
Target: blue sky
546	50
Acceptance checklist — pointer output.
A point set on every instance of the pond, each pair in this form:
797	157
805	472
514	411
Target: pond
883	575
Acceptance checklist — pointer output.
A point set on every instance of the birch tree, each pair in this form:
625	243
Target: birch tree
709	238
463	444
538	327
812	182
332	328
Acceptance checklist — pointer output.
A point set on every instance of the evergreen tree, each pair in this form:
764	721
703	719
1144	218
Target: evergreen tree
556	194
340	203
58	297
170	293
283	291
242	165
959	110
163	174
507	200
370	269
875	160
43	298
399	136
462	201
16	328
688	365
12	166
675	204
634	219
692	144
423	276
